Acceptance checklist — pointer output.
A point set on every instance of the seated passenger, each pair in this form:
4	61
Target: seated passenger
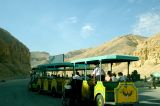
77	76
52	76
114	79
83	77
67	85
108	77
58	75
45	74
121	77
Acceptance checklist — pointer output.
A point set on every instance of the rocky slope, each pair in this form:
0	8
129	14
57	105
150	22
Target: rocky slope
125	45
39	58
149	53
148	49
14	57
128	43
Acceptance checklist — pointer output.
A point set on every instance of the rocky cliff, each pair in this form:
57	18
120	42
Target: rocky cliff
14	57
149	53
38	58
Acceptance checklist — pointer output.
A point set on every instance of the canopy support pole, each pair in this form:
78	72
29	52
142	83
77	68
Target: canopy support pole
85	69
128	68
74	69
65	72
100	69
111	66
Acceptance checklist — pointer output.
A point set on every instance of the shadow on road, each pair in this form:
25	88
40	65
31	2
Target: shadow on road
149	97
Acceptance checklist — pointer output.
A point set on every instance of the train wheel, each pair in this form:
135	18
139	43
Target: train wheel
99	100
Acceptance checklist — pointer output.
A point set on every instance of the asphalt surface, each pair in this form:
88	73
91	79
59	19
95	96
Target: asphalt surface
149	97
15	93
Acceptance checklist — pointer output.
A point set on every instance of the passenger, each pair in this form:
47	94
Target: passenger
45	75
52	76
129	78
77	76
48	75
97	73
83	77
58	75
121	77
66	75
108	78
67	85
114	79
89	76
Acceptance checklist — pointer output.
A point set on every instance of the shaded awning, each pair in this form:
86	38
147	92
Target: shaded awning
106	59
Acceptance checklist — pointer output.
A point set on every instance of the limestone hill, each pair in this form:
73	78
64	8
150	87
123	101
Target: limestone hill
121	45
39	58
14	57
149	53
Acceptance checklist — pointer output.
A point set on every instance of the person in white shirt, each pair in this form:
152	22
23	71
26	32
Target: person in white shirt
121	77
97	73
114	79
77	76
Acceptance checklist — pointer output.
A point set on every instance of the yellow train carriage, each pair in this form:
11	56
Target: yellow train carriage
54	83
47	84
112	93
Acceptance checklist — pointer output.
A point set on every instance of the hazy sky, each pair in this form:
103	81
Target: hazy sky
59	26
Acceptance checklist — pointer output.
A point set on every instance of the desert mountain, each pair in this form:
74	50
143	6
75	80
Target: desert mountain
122	45
39	58
14	57
148	50
125	45
149	53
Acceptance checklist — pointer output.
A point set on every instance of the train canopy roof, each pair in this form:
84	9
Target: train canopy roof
106	59
55	66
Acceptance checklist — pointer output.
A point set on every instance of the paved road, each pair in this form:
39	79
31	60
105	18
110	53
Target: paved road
15	93
149	97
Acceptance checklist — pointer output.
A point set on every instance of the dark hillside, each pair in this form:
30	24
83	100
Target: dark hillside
14	57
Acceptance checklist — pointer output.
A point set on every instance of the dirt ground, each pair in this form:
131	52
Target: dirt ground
15	93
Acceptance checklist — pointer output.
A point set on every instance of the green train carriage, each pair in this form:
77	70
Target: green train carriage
108	92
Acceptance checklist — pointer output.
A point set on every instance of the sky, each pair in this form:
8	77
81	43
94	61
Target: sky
60	26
